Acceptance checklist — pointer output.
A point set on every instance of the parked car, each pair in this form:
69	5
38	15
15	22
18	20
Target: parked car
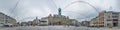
8	25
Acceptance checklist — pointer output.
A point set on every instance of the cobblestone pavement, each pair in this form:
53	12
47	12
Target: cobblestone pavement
55	28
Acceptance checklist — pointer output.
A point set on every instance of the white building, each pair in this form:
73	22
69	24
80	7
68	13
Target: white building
111	18
74	22
94	22
44	21
4	19
36	21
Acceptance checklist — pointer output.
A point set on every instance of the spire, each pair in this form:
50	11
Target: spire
50	15
59	11
36	17
111	8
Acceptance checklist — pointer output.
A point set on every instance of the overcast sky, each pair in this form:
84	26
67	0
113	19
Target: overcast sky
27	10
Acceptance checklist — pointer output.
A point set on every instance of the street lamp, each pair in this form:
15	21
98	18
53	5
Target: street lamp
12	10
6	17
81	2
15	6
84	3
74	12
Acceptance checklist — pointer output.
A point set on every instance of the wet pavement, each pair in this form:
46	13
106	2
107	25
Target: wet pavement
54	28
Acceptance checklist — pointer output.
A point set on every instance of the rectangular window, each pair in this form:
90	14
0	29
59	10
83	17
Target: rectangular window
115	13
115	19
108	16
109	20
115	16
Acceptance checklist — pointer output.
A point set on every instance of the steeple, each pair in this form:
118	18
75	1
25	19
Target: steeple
50	15
36	17
59	11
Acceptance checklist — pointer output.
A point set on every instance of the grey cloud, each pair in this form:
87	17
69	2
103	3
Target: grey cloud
27	10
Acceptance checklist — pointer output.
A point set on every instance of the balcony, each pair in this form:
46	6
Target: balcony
115	13
115	17
109	20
